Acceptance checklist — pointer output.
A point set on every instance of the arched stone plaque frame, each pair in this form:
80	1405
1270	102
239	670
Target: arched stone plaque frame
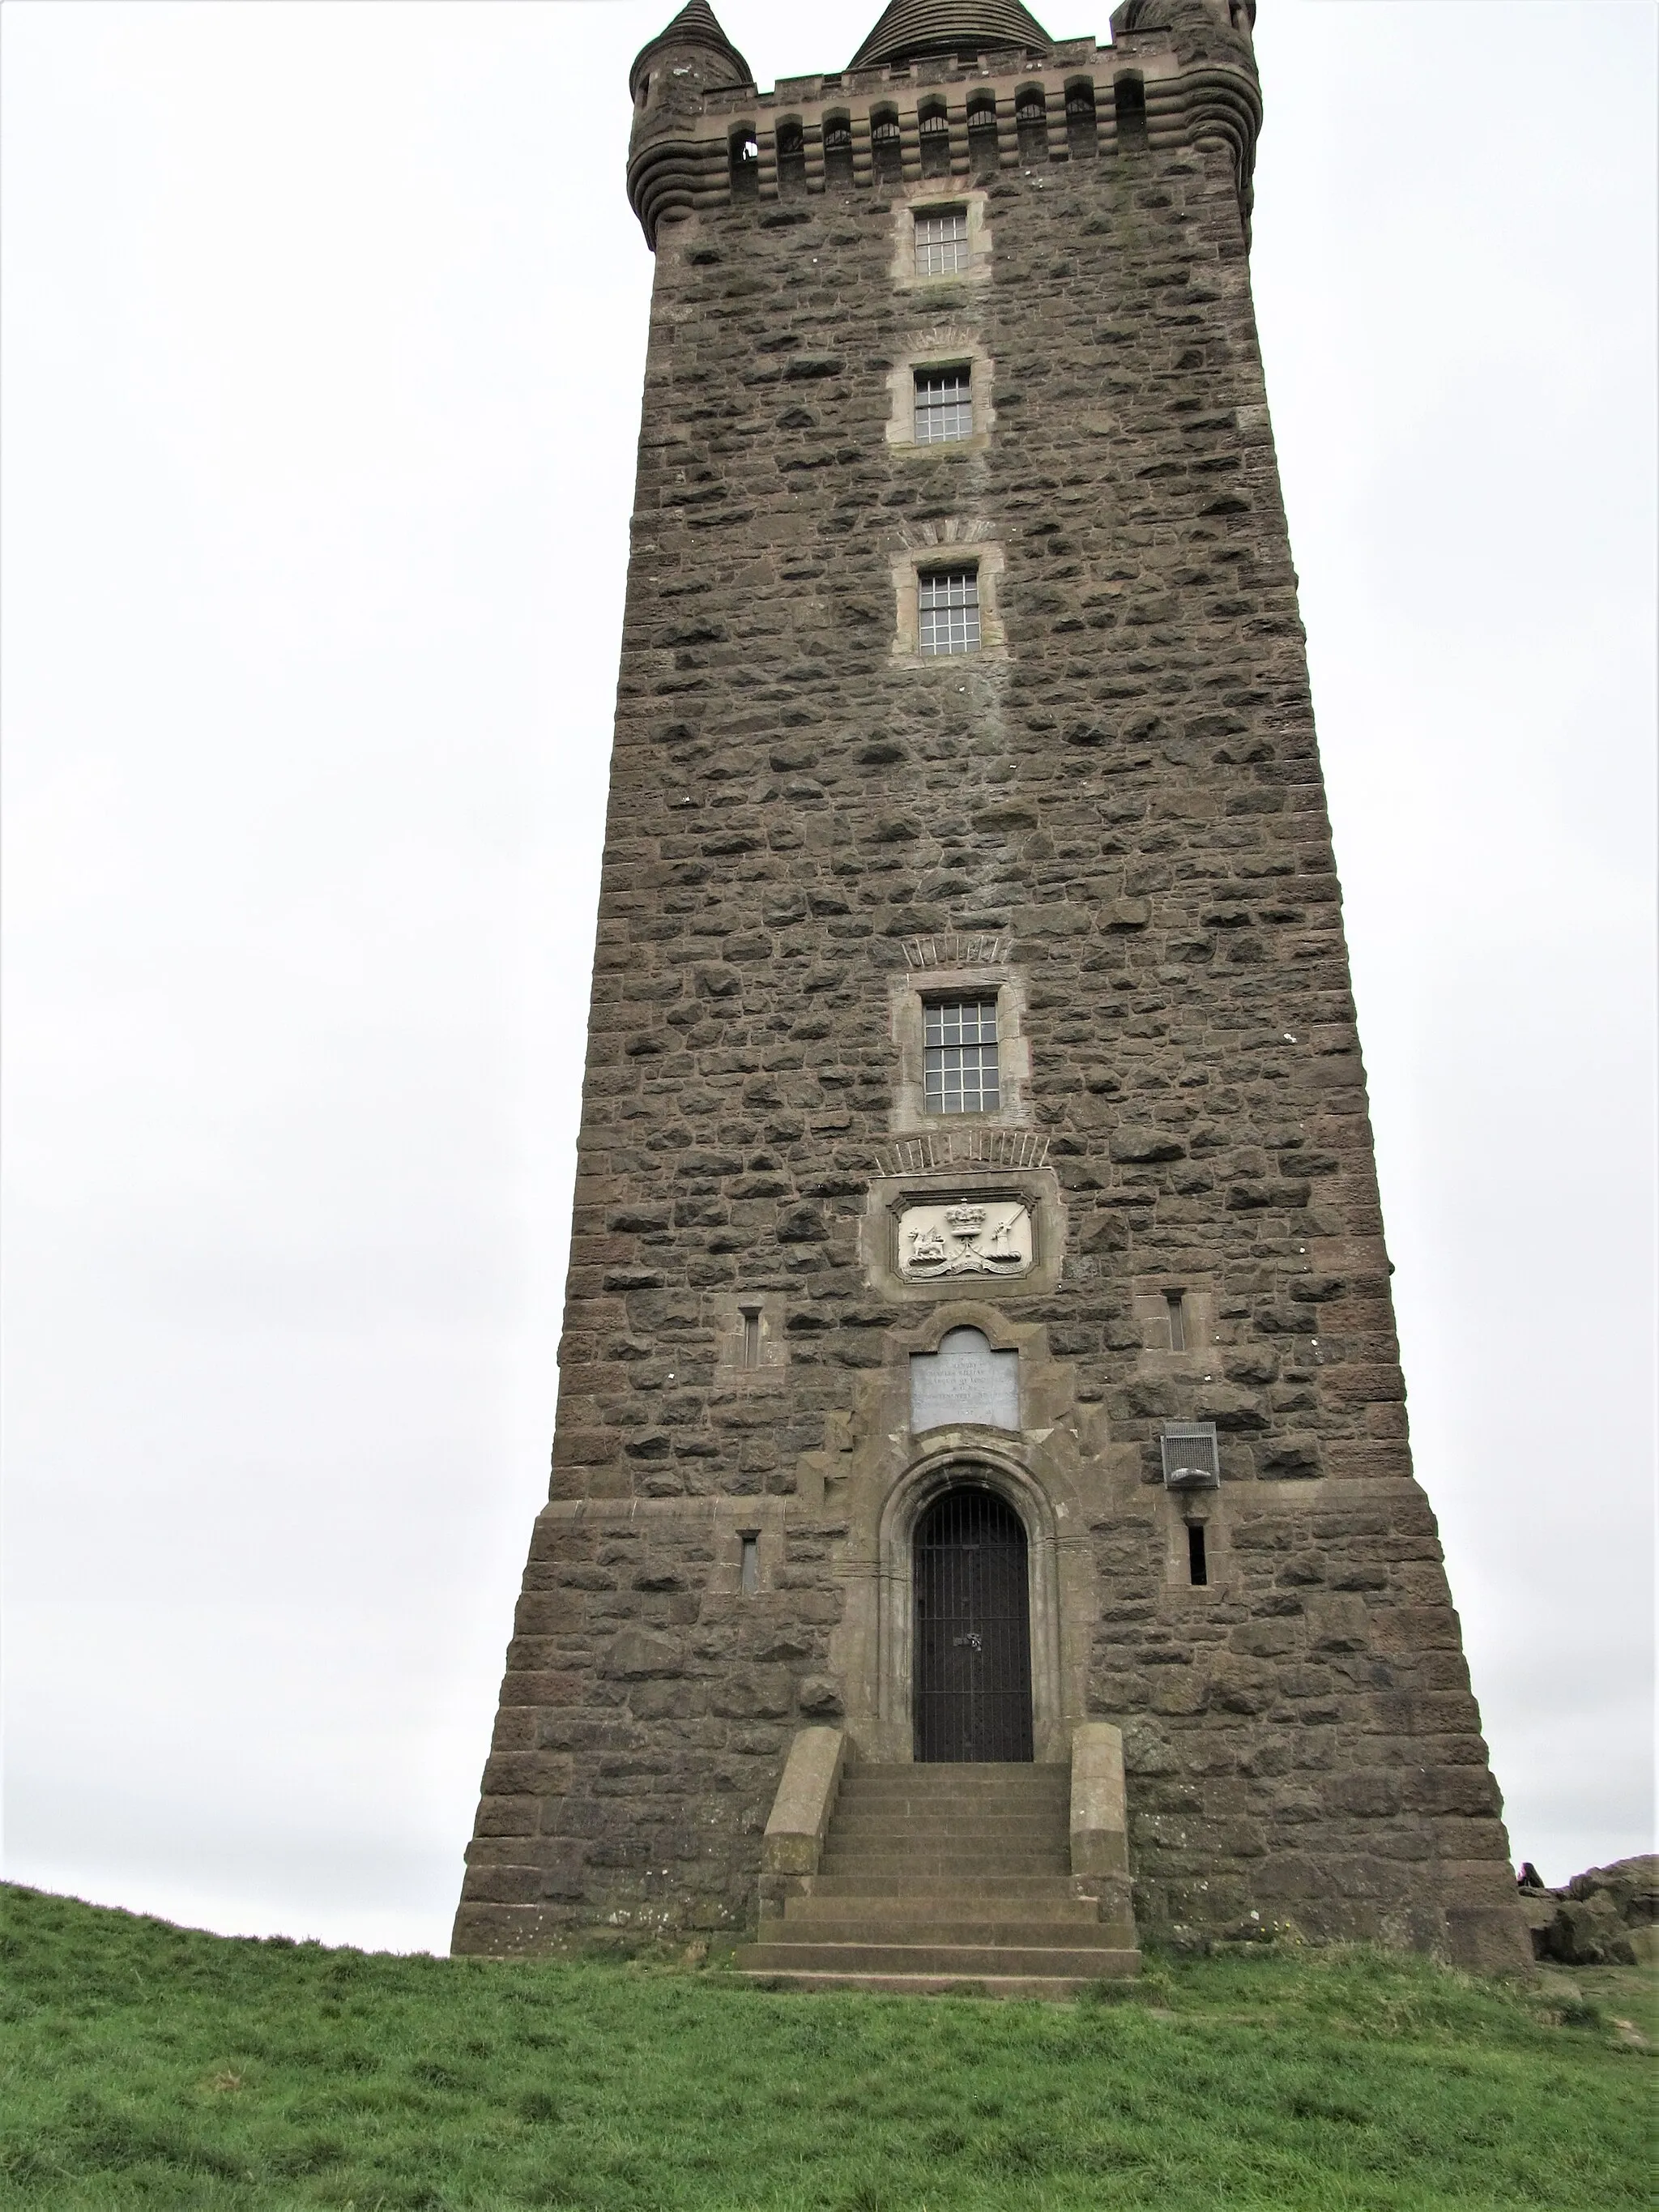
977	1456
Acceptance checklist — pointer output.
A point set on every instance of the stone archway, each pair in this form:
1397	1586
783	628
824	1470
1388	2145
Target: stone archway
984	1467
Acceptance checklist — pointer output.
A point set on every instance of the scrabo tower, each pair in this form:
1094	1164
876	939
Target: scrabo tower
981	1479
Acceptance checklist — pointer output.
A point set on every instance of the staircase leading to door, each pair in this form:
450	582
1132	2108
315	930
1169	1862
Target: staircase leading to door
933	1876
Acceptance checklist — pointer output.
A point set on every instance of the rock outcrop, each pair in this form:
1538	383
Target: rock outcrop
1607	1917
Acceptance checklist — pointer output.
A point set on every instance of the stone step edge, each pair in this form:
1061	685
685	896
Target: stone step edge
985	1887
884	1866
1051	1988
964	1960
918	1935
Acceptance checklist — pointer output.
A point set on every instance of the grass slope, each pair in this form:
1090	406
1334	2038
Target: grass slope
143	2065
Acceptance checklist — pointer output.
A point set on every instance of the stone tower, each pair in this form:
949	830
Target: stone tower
978	1347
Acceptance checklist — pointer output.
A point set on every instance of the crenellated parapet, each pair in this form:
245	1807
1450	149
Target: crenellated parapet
1177	73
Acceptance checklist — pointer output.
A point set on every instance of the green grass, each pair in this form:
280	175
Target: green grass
141	2064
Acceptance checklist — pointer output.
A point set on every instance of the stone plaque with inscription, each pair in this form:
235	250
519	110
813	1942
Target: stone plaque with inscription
966	1237
964	1380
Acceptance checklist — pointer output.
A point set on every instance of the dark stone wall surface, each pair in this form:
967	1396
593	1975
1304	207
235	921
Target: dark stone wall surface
1133	795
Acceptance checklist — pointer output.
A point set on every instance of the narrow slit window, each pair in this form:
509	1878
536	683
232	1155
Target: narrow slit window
934	125
886	148
749	1564
945	405
838	150
1129	105
947	609
751	1336
983	149
1198	1564
942	242
1082	130
744	156
792	157
959	1056
1032	124
1176	1303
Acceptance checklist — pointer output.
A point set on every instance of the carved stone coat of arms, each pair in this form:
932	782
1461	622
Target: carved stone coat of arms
966	1237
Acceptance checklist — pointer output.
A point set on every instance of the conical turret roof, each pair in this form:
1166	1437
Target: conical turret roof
911	28
696	24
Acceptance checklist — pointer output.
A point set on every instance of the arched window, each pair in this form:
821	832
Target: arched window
935	128
838	150
1081	130
982	133
792	156
1129	101
1032	121
744	156
885	148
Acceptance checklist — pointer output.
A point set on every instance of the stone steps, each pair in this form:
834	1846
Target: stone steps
947	1906
870	1832
982	1890
1024	1932
962	1961
894	1865
934	1878
1050	1987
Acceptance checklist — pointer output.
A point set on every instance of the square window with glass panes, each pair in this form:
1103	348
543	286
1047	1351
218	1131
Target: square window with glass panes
942	242
947	610
945	405
959	1056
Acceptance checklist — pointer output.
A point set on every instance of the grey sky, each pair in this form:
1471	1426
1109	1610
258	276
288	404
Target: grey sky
323	337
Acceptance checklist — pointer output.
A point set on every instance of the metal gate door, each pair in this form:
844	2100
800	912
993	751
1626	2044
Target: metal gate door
973	1630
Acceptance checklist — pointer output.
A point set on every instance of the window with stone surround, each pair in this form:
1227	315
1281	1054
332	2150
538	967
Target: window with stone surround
959	1056
947	610
944	405
941	241
945	591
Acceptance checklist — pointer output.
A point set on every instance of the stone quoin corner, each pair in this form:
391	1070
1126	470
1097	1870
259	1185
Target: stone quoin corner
982	1531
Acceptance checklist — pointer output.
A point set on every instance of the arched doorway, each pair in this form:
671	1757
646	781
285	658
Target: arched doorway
973	1629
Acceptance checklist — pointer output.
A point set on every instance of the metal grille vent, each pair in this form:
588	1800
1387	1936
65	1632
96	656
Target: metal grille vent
1192	1458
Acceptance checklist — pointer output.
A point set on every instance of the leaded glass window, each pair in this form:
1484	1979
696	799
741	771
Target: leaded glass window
947	607
945	405
959	1056
942	242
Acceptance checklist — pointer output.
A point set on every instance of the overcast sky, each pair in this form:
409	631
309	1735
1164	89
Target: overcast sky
322	338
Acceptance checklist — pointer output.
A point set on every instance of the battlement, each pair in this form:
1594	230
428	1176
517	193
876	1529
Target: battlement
947	116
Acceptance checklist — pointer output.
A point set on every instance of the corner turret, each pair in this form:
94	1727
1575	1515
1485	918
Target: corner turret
1212	41
670	77
1199	30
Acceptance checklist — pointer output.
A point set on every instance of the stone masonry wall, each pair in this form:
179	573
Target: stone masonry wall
1133	795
